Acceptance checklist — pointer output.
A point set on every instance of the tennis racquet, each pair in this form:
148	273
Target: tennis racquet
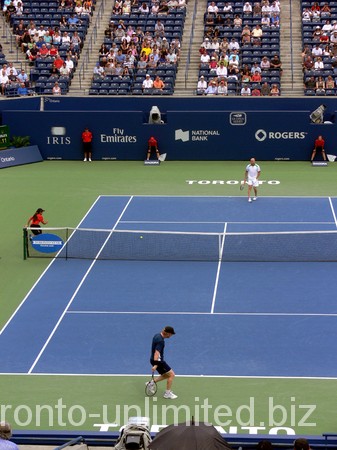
151	387
242	185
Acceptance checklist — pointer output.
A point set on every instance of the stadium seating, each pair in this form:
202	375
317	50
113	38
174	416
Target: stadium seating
309	41
174	24
248	53
49	15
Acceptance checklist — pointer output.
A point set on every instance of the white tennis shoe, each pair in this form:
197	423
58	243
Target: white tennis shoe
254	198
249	199
170	395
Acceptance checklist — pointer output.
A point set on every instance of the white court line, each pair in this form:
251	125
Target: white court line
77	289
221	222
182	313
218	270
214	196
41	276
333	211
134	375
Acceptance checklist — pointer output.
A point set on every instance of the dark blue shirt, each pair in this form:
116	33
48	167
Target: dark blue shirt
158	343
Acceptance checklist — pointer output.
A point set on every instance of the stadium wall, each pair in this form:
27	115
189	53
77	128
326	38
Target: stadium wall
194	128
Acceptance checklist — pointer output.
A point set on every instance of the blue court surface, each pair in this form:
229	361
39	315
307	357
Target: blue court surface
264	319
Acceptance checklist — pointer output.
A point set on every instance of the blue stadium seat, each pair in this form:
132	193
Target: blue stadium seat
309	92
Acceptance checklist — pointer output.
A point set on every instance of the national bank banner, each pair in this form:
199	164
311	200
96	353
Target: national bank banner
186	135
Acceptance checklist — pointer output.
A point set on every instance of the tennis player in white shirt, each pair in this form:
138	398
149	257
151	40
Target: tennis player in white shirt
252	174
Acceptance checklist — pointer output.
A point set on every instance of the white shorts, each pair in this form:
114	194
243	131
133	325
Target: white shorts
253	182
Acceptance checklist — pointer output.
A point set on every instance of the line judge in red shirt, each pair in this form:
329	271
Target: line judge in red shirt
87	144
35	220
152	147
319	146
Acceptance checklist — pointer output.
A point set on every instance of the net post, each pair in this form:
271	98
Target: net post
25	243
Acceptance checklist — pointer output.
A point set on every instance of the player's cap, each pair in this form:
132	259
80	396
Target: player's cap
202	76
169	329
5	430
40	210
147	75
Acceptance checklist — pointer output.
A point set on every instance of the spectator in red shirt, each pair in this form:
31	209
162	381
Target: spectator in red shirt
319	146
87	144
58	62
152	147
35	220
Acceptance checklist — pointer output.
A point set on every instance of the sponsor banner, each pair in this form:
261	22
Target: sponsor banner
185	135
19	156
46	243
238	118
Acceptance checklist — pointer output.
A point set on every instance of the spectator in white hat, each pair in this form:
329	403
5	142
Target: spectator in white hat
202	86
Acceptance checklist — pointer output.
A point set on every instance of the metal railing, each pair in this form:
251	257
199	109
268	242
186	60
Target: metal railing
8	38
291	43
188	60
86	57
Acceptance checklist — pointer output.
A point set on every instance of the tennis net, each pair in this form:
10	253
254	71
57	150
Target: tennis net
82	243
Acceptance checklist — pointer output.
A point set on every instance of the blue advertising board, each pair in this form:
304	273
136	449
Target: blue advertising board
46	243
185	135
18	156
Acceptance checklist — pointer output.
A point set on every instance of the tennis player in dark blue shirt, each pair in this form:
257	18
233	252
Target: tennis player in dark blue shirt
158	362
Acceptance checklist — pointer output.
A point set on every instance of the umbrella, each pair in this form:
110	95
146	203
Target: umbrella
189	436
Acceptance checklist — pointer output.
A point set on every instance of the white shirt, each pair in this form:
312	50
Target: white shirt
205	58
317	51
213	9
147	83
327	27
202	85
228	8
253	171
319	65
245	91
8	71
69	64
221	71
233	44
3	78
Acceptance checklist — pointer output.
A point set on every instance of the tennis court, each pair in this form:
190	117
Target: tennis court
233	319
